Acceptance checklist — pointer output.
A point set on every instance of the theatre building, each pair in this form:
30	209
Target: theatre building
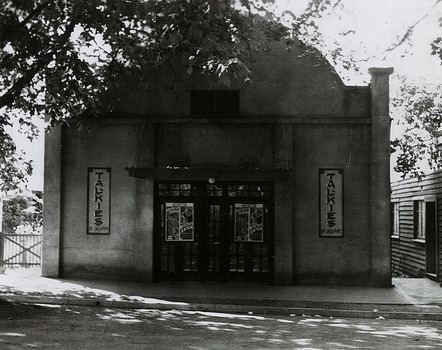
283	179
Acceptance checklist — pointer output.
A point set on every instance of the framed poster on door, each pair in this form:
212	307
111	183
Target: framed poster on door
249	222
179	224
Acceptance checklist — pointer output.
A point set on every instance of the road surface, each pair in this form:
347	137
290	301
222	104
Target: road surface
61	327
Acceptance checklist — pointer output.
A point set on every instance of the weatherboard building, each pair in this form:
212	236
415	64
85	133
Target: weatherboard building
282	180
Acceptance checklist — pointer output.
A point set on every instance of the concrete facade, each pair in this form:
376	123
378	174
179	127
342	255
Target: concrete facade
295	118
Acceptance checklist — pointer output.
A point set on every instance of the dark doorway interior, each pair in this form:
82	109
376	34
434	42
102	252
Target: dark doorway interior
431	238
214	231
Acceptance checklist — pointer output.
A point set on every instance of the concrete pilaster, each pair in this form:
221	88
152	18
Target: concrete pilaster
380	178
144	230
143	243
284	210
52	203
284	231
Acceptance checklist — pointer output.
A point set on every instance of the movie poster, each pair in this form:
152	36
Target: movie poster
179	222
249	222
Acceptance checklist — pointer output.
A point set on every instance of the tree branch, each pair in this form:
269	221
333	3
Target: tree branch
14	91
9	96
14	27
35	11
410	30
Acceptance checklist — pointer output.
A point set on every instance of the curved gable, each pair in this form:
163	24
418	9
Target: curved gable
299	82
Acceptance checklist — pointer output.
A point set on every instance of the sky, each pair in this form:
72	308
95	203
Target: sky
378	23
375	24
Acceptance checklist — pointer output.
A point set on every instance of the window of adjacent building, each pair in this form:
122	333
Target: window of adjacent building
214	102
395	219
419	219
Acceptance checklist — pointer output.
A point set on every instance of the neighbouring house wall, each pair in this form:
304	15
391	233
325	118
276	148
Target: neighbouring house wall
409	253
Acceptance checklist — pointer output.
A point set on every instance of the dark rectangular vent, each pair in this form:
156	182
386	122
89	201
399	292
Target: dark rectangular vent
214	102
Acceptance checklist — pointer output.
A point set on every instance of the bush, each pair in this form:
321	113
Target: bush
23	214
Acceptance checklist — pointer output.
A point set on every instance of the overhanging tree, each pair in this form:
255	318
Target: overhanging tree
436	45
58	57
420	113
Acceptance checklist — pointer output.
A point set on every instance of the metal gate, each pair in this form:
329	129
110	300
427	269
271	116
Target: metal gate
20	250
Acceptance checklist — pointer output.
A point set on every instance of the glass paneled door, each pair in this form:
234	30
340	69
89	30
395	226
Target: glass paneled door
214	232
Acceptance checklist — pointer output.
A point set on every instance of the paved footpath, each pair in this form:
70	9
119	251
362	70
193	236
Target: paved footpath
410	298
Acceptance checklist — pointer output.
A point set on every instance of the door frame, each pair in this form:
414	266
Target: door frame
431	237
202	201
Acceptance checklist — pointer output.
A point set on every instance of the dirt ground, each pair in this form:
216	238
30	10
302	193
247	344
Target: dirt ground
83	328
11	311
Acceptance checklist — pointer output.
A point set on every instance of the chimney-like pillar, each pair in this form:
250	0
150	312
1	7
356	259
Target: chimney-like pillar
380	178
52	203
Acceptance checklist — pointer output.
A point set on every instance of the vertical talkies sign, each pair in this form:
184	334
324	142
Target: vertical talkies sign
331	207
99	201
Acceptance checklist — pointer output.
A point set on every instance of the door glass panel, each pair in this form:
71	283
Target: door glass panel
214	190
249	256
167	259
214	238
170	250
190	262
256	263
237	257
249	191
164	248
176	190
260	260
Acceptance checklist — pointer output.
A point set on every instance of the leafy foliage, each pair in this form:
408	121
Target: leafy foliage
58	57
22	211
436	45
421	114
13	167
62	55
